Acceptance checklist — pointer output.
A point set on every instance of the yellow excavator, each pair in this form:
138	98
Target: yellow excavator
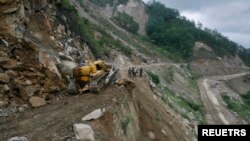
94	75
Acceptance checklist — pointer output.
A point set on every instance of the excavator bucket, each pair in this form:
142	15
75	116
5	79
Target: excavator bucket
111	75
106	79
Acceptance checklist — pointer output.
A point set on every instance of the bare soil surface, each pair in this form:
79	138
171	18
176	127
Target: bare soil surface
54	122
241	84
216	113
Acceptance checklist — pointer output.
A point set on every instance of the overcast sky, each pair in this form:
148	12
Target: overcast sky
229	17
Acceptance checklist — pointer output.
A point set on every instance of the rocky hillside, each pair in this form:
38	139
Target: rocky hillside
42	41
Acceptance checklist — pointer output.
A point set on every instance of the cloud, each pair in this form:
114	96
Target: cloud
230	17
242	38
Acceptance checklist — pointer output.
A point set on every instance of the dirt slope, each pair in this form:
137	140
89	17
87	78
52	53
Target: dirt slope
157	117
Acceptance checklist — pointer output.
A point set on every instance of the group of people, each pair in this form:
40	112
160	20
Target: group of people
132	71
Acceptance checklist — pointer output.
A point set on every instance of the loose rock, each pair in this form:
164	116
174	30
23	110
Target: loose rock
6	88
164	132
4	78
28	82
8	63
65	57
94	115
3	54
84	132
3	59
37	101
45	59
21	109
18	139
2	41
12	73
151	135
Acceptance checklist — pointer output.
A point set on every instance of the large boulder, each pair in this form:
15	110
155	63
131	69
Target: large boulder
45	59
37	101
72	88
27	91
84	132
94	115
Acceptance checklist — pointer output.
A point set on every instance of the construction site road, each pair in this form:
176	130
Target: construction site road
214	110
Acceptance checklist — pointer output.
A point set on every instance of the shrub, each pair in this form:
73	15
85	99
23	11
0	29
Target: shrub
127	22
154	77
242	109
247	98
66	5
125	123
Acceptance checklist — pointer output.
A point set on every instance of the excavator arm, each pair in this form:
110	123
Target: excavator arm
94	75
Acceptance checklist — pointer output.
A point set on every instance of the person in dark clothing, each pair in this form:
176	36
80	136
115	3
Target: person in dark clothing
129	72
141	71
133	71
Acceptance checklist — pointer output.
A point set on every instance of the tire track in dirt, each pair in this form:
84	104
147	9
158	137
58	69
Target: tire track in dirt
214	111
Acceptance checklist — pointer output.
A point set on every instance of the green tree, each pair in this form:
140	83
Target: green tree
127	22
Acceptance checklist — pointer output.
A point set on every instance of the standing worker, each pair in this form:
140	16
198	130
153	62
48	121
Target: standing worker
129	72
133	71
141	71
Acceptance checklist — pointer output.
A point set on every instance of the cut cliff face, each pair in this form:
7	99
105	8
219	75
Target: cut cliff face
207	62
137	10
134	8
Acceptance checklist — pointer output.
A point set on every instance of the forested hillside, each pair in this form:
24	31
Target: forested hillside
176	34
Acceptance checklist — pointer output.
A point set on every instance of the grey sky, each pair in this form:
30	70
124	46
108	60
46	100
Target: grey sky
230	17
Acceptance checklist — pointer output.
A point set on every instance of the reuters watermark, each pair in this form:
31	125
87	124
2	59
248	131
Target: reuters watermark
221	132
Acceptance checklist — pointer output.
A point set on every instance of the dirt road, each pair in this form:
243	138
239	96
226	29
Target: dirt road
54	122
215	112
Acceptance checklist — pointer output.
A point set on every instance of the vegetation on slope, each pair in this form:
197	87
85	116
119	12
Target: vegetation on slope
188	109
153	77
176	34
127	22
243	109
81	26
